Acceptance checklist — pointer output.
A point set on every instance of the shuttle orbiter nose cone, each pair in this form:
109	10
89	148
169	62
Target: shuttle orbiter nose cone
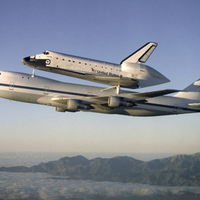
25	60
28	61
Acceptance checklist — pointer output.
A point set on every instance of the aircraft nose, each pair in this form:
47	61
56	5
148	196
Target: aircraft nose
26	59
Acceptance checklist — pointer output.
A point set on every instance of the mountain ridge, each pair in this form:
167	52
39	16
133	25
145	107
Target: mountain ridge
179	170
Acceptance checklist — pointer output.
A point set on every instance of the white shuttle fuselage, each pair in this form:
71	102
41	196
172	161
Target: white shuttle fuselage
131	73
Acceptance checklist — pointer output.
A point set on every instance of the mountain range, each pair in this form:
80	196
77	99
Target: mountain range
180	170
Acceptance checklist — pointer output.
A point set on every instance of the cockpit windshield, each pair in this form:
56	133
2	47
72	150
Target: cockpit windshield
46	53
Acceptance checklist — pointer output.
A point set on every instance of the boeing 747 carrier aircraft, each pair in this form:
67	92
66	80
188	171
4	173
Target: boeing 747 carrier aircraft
73	97
131	73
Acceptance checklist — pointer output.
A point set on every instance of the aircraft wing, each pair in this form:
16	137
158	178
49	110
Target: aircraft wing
91	100
110	80
122	81
152	94
195	105
99	100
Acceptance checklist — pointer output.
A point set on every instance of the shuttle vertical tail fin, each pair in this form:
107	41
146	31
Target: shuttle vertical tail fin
142	54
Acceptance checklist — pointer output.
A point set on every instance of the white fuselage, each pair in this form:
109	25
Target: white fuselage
128	75
39	90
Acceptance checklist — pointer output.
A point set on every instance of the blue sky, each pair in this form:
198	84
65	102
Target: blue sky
108	31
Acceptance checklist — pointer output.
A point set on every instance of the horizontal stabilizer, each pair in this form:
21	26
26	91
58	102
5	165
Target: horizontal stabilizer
142	54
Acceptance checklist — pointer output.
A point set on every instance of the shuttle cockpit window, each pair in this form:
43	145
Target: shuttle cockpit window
46	53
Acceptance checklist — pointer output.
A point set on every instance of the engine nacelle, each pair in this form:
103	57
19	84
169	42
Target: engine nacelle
59	109
74	105
116	102
132	68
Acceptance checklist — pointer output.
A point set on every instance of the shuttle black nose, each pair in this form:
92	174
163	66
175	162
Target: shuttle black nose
26	59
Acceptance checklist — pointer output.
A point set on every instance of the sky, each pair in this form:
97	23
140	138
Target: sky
109	31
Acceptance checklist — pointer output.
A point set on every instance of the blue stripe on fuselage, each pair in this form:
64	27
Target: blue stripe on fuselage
86	95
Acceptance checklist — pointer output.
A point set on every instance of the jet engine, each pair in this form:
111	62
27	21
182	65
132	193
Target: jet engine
74	105
116	102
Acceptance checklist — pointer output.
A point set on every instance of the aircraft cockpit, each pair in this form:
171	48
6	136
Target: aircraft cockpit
46	53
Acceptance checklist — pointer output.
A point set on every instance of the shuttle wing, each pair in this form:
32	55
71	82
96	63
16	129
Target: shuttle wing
142	54
104	79
122	81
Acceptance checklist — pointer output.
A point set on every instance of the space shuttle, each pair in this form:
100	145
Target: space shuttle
130	73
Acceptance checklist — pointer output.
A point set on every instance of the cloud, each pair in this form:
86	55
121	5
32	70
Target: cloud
42	186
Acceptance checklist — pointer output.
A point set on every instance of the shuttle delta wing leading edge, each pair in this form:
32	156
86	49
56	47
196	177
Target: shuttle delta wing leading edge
131	73
73	97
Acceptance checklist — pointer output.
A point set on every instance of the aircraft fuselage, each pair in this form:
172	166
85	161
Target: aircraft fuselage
34	89
129	74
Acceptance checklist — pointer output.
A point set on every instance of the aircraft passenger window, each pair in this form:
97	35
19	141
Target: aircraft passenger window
73	61
69	60
79	62
85	63
56	58
63	59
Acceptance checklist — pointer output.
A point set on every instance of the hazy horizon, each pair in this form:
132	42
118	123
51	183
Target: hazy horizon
28	159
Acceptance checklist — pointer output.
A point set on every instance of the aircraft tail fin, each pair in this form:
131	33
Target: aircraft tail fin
194	87
142	54
190	92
